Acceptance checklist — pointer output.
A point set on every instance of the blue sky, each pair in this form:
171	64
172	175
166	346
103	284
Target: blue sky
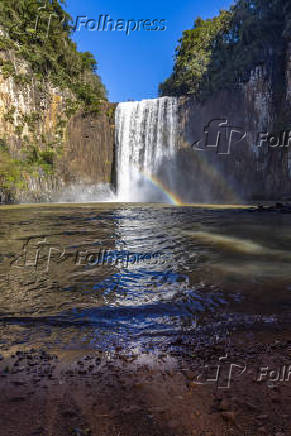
132	66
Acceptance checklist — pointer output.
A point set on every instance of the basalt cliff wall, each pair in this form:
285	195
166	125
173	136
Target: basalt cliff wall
224	150
44	145
90	151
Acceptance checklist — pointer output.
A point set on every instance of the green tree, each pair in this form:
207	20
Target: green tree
221	51
42	36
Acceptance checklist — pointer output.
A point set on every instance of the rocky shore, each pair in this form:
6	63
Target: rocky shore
239	388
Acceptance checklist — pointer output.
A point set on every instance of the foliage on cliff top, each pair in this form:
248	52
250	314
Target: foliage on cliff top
40	32
221	51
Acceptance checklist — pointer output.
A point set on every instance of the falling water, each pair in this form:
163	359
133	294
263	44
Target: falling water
146	134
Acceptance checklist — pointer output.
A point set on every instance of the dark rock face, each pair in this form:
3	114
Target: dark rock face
224	153
89	156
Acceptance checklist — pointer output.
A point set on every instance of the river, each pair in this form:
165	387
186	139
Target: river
137	276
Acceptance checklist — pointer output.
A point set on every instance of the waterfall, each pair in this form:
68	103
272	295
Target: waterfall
146	134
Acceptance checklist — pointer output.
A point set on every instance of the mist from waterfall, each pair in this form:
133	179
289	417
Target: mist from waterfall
82	193
146	135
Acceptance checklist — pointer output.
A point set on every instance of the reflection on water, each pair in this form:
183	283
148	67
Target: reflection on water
98	274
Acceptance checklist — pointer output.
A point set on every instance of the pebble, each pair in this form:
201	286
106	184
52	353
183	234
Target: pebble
228	416
190	375
19	383
38	431
16	399
68	414
224	405
252	406
173	424
262	417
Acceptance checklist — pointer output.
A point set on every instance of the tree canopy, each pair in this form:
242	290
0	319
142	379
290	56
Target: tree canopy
41	34
220	51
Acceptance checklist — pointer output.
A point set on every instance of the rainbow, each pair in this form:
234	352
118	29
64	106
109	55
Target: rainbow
208	170
174	199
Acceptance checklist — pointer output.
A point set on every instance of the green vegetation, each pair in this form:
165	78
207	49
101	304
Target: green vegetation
42	36
9	116
110	113
36	49
15	172
12	171
222	51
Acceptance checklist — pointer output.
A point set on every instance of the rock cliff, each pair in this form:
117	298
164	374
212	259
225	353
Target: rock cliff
43	144
236	144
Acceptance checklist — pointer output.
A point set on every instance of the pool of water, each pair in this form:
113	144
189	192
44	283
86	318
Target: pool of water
139	275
